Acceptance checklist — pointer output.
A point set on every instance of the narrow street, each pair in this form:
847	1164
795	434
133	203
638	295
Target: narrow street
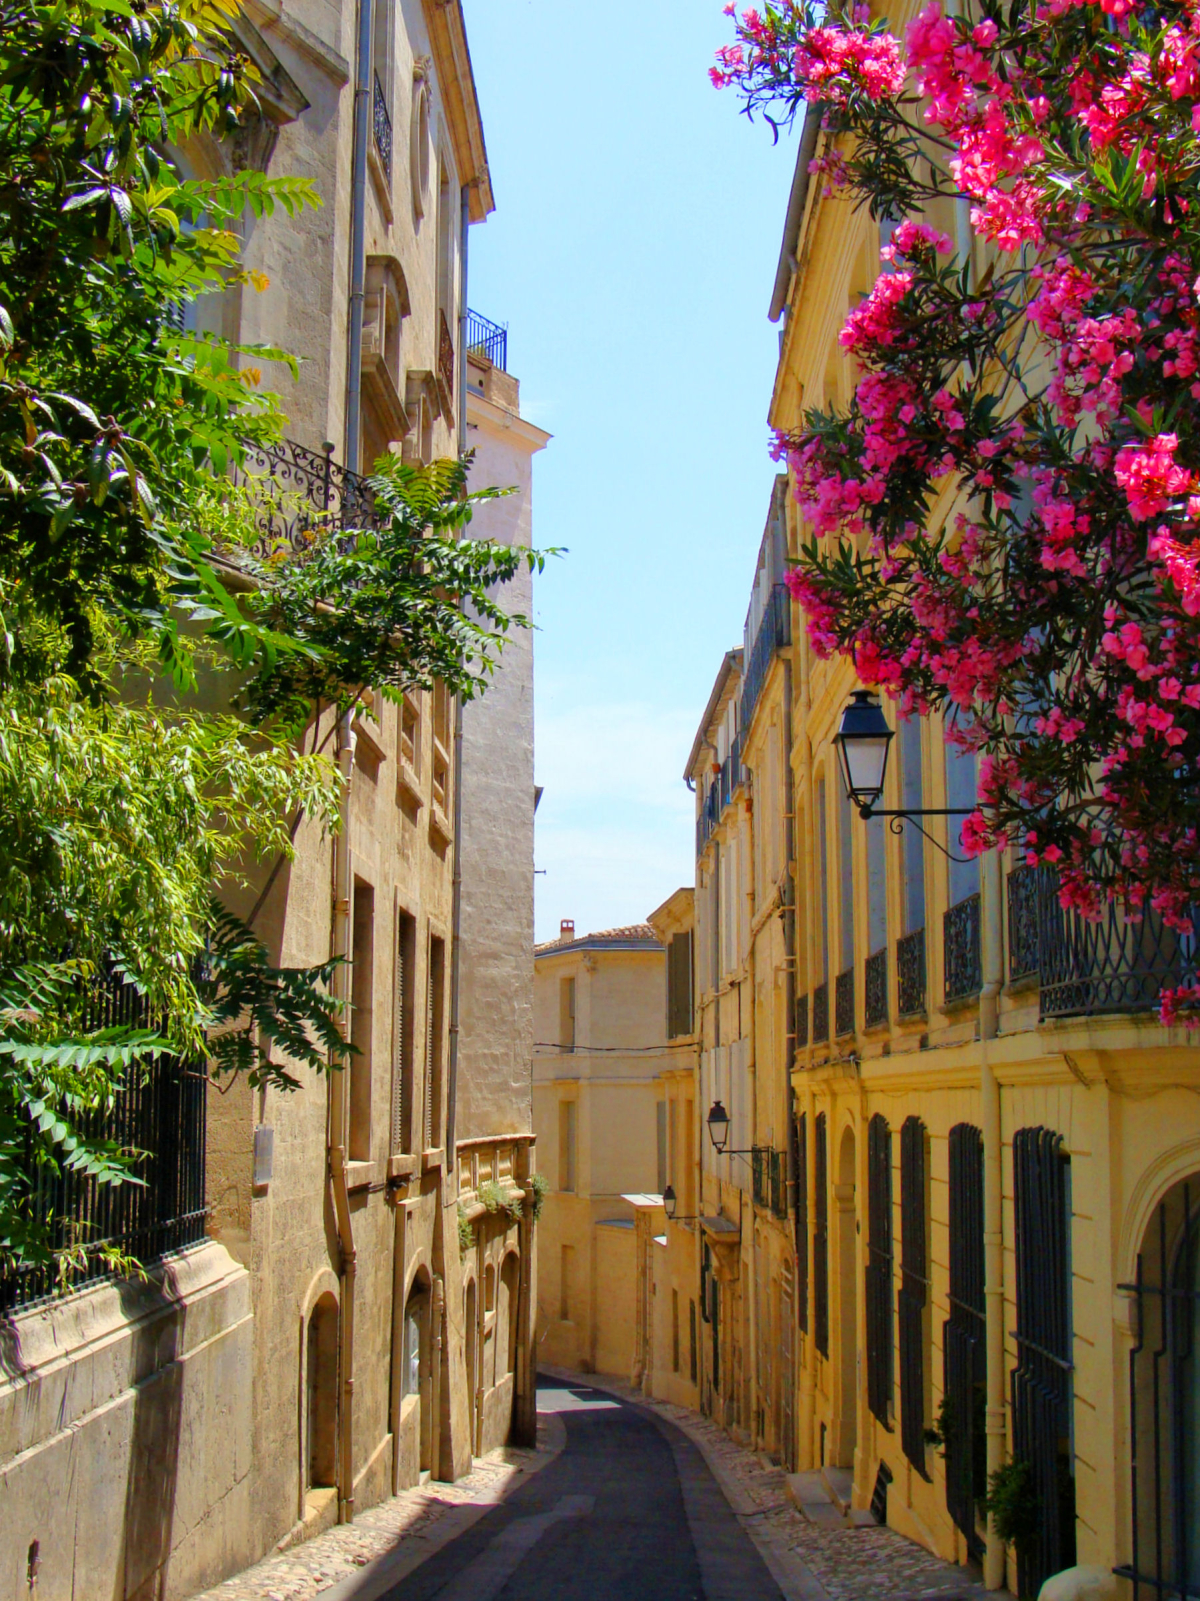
628	1509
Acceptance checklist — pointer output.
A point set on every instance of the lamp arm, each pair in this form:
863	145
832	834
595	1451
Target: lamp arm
897	820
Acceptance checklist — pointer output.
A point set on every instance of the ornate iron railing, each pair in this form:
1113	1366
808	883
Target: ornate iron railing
298	494
159	1111
1041	1381
487	339
758	1170
778	1176
445	354
910	974
731	772
880	1328
820	1011
875	986
1025	888
843	1003
821	1238
801	1021
382	127
963	968
914	1288
965	1339
1118	964
774	632
1164	1377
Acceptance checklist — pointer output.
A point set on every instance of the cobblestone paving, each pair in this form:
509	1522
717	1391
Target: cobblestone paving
303	1571
869	1564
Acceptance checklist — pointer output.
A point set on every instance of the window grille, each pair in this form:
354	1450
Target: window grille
914	1288
910	974
821	1239
800	1166
964	1338
820	1010
1041	1381
875	988
880	1326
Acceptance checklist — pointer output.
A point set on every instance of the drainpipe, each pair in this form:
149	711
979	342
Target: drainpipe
752	1068
993	1237
437	1318
338	1087
358	235
456	888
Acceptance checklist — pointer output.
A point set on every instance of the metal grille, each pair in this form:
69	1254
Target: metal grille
298	494
758	1168
820	1030
159	1111
821	1239
801	1021
910	974
382	125
1041	1381
1117	964
965	1338
875	996
487	339
1164	1403
778	1172
880	1326
960	927
800	1165
774	632
914	1288
843	1003
1024	884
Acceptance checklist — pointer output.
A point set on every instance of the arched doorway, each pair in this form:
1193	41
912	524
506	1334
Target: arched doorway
845	1437
321	1394
510	1279
415	1365
1164	1399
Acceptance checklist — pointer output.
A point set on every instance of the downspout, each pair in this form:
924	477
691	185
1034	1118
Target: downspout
752	1067
358	235
789	954
993	1224
437	1319
456	888
338	1087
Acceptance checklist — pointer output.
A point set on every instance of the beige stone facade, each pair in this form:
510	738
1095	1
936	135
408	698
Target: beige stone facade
363	1309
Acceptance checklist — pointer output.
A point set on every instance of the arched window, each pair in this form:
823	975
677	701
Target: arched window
510	1279
321	1386
418	154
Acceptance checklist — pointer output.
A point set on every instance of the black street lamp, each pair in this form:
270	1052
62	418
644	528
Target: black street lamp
718	1131
670	1203
862	742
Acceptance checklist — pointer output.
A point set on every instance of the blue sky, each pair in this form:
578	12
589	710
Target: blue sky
632	254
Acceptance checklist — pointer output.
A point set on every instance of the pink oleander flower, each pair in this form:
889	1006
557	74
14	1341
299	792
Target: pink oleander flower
1150	477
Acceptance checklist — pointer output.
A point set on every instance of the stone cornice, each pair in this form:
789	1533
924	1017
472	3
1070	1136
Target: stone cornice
456	81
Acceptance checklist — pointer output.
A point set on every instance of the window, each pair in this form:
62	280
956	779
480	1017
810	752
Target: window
321	1385
673	1172
566	1014
912	799
661	1134
362	958
415	1314
879	1269
846	877
800	1168
434	1027
679	985
566	1146
403	1031
821	1238
914	1289
960	792
823	853
418	147
410	733
441	746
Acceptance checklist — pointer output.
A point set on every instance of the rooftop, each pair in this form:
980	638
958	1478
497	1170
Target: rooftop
633	936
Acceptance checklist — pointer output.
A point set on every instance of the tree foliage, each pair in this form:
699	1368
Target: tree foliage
1052	400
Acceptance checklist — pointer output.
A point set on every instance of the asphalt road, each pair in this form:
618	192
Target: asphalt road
628	1511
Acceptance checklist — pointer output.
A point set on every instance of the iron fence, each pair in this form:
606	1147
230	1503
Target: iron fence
382	127
820	1011
774	632
1164	1386
843	1003
910	974
875	995
159	1112
963	1420
960	932
298	493
487	339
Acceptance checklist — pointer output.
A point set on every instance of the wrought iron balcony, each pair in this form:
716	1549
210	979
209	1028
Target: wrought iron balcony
778	1176
801	1021
774	631
382	126
820	1013
758	1170
963	967
875	996
1025	888
487	339
910	974
298	493
843	1004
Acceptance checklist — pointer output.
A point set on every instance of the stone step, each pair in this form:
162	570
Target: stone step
840	1484
809	1493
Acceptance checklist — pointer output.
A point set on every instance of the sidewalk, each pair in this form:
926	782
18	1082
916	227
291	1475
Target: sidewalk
406	1530
808	1562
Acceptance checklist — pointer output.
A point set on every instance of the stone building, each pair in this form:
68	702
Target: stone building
341	1279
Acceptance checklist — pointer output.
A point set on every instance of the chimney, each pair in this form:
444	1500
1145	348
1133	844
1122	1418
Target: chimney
566	930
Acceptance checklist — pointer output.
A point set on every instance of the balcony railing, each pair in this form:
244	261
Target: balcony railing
843	1005
820	1013
963	968
159	1111
298	493
875	986
778	1176
801	1021
382	125
445	354
487	339
774	632
758	1172
910	974
1024	893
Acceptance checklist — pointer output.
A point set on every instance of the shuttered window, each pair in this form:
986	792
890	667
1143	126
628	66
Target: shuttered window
880	1323
914	1288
